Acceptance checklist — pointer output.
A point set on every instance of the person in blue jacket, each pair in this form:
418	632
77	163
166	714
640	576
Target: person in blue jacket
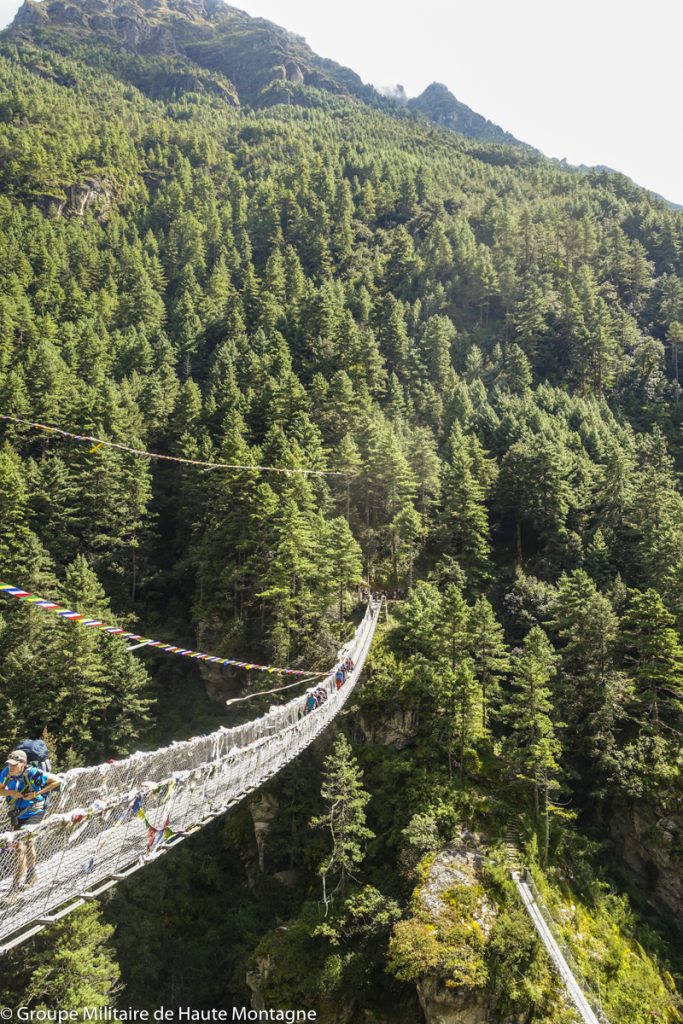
25	787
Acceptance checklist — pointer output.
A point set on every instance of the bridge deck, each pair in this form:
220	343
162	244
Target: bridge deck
114	819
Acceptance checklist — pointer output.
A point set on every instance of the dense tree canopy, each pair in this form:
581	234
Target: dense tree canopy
482	344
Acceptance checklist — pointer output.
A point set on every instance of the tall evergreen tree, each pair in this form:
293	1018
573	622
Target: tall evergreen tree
343	819
654	660
533	746
490	656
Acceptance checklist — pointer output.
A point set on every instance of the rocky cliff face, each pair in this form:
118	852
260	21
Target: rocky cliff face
455	914
95	194
647	839
263	808
457	865
249	52
442	1005
396	728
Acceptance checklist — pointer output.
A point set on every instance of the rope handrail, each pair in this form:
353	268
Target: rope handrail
112	819
104	443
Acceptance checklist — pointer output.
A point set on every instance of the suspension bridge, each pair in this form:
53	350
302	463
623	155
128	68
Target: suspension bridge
112	819
576	985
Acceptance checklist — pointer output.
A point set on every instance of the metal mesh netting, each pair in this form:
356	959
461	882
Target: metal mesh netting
591	996
112	818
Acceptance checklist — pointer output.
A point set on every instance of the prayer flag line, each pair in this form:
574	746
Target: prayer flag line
185	652
98	442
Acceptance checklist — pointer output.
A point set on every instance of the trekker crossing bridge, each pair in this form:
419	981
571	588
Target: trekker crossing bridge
112	819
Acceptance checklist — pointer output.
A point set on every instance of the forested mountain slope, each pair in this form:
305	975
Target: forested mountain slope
263	62
486	346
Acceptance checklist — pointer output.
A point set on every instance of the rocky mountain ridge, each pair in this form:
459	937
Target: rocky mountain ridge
263	62
252	53
439	105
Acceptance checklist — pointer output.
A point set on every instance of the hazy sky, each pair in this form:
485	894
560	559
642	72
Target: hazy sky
595	81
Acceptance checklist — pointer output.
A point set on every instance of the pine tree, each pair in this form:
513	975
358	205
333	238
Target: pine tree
591	688
139	303
92	701
438	338
674	337
534	485
420	620
455	696
402	264
599	562
392	336
288	577
343	819
516	375
534	749
654	658
21	554
344	557
73	964
490	656
529	320
406	530
451	639
464	516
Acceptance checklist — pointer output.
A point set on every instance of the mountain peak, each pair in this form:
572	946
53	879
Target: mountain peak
439	104
210	46
438	89
264	63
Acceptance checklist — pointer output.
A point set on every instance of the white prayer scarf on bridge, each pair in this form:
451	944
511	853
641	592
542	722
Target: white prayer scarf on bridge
113	817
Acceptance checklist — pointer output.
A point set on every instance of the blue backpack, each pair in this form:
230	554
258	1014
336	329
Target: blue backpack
38	757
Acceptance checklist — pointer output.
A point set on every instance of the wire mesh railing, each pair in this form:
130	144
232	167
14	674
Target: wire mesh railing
590	993
111	819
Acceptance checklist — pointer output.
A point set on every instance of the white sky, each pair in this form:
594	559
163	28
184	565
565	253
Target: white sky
595	81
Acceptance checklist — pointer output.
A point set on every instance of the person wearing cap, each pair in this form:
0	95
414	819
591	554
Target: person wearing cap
25	787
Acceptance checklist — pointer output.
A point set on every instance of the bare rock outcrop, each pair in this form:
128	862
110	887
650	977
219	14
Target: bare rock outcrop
91	193
263	808
396	728
647	840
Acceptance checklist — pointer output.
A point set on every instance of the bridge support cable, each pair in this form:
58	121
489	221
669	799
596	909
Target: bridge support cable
112	819
575	983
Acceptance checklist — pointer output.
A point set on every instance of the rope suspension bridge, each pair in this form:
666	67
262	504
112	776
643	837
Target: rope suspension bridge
112	819
577	987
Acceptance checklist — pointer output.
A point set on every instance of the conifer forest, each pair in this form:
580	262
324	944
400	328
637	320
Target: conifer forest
218	246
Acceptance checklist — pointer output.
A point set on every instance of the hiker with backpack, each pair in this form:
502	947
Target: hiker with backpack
25	783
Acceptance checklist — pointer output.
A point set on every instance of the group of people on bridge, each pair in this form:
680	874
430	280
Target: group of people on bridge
366	594
26	782
317	695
